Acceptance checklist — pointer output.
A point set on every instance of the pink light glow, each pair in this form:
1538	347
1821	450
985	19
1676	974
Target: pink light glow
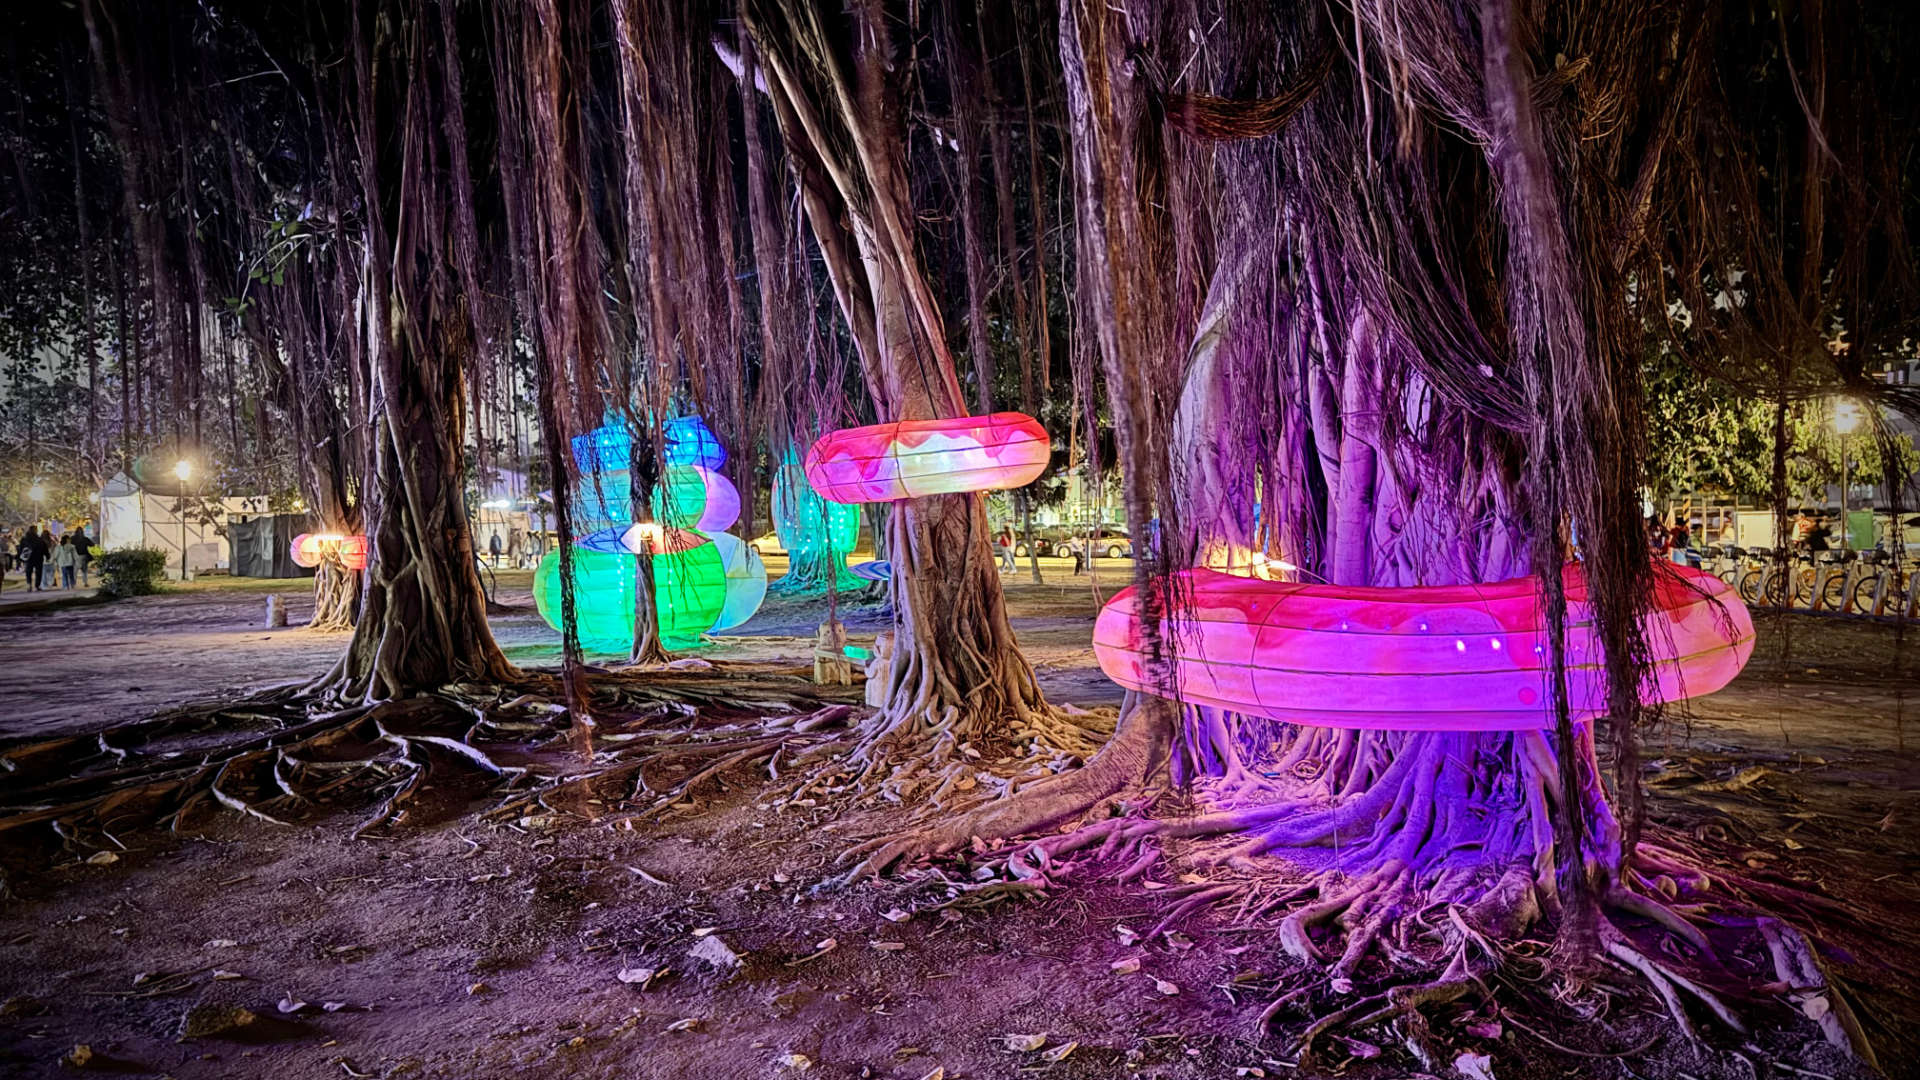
908	459
311	549
1457	658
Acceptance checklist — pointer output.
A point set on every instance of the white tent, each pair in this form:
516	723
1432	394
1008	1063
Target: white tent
131	516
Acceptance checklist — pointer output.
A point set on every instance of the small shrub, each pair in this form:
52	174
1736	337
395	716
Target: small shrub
132	571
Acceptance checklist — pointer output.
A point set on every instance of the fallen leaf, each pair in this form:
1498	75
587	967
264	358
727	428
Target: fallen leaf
289	1005
1474	1066
1059	1053
939	1073
1126	934
896	915
1165	987
702	931
715	952
796	1062
225	976
101	858
640	976
1192	879
888	946
1021	1044
222	943
1488	1030
691	1023
478	988
1178	940
1126	967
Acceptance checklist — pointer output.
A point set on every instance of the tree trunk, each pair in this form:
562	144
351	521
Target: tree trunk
424	621
956	675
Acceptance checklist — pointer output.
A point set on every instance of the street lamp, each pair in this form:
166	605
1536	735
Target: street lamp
184	470
1846	419
37	493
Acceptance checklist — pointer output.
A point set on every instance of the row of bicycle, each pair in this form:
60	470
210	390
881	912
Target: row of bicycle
1847	582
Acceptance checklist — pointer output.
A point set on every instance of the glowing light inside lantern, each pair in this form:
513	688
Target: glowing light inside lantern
689	589
812	530
312	549
1364	658
910	459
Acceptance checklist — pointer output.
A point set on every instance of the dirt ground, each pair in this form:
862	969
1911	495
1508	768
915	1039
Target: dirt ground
466	950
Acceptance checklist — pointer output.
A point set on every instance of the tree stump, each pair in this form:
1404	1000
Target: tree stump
877	668
830	664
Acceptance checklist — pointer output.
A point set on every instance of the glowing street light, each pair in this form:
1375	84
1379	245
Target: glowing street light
1846	416
37	493
1846	419
183	469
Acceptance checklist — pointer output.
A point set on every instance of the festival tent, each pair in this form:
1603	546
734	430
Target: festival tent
135	516
262	545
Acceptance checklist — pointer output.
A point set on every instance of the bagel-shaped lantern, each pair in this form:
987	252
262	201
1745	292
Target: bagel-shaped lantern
909	459
746	582
1450	658
311	549
689	591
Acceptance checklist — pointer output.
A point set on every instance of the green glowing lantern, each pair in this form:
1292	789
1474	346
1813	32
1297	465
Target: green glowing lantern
689	590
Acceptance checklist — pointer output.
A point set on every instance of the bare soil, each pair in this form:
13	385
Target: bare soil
463	950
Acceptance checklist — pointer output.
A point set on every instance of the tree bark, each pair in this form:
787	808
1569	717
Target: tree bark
956	673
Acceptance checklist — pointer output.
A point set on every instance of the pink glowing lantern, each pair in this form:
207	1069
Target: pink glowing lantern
312	549
1452	658
909	459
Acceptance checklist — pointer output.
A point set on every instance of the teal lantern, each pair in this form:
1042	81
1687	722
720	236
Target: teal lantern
818	535
689	592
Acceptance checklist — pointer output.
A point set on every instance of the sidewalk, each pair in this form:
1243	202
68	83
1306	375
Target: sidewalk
17	599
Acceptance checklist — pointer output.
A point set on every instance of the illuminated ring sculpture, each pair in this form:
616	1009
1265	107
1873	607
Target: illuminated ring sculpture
1452	658
689	592
311	549
746	582
688	441
909	459
696	497
873	570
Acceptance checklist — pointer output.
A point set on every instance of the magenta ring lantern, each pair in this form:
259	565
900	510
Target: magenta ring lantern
909	459
1451	658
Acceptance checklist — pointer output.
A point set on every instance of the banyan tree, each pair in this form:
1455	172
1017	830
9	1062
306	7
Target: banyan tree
1360	294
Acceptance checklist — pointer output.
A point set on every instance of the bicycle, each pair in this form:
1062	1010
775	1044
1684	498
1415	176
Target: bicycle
1762	582
1882	588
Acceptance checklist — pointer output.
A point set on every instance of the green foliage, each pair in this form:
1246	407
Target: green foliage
1706	437
132	571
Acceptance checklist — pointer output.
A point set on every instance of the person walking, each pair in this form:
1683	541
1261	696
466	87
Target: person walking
1004	542
32	553
494	547
65	561
83	555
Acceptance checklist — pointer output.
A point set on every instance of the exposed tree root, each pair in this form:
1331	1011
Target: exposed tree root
279	757
1421	864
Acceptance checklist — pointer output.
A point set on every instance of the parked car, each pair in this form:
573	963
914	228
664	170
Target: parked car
1048	541
1104	542
767	544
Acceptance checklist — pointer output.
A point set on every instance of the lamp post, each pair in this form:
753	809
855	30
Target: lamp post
184	470
1846	418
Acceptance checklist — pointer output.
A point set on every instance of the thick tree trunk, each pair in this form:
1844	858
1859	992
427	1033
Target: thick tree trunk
423	624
